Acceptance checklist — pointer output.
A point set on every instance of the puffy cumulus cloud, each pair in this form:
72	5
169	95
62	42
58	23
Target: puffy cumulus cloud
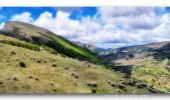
23	17
110	27
131	17
61	24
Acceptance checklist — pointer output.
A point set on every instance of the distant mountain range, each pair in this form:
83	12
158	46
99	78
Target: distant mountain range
91	47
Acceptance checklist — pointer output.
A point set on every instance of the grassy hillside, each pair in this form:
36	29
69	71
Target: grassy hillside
27	70
149	63
150	71
37	35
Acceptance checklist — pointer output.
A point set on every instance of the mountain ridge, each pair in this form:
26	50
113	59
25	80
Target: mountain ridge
42	36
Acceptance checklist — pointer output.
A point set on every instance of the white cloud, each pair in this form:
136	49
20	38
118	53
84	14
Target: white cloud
109	28
130	17
23	17
2	25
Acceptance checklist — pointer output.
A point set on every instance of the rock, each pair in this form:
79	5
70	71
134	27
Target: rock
52	84
74	75
86	62
12	52
140	85
126	76
76	84
73	70
109	82
152	89
15	78
113	84
131	82
121	86
124	82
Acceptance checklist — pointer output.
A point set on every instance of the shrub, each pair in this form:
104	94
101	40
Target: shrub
93	91
22	44
30	77
22	64
92	84
1	82
54	65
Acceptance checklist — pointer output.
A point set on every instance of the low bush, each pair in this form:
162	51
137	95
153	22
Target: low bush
21	44
22	64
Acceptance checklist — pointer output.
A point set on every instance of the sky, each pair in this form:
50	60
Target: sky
104	27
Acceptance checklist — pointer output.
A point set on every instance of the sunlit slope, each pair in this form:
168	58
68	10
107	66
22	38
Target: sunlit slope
42	36
24	69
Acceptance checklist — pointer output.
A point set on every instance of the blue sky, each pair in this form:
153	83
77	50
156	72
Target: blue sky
105	27
76	12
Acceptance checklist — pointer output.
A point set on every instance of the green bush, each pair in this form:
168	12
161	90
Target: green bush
21	44
22	64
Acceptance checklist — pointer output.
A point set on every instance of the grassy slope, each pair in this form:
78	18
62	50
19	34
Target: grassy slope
61	45
39	65
150	71
148	66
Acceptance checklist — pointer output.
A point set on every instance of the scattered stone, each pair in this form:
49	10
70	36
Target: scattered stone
86	62
121	86
113	84
22	64
12	52
152	89
109	82
126	76
76	84
76	76
89	65
52	84
15	78
37	79
131	82
140	85
123	82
